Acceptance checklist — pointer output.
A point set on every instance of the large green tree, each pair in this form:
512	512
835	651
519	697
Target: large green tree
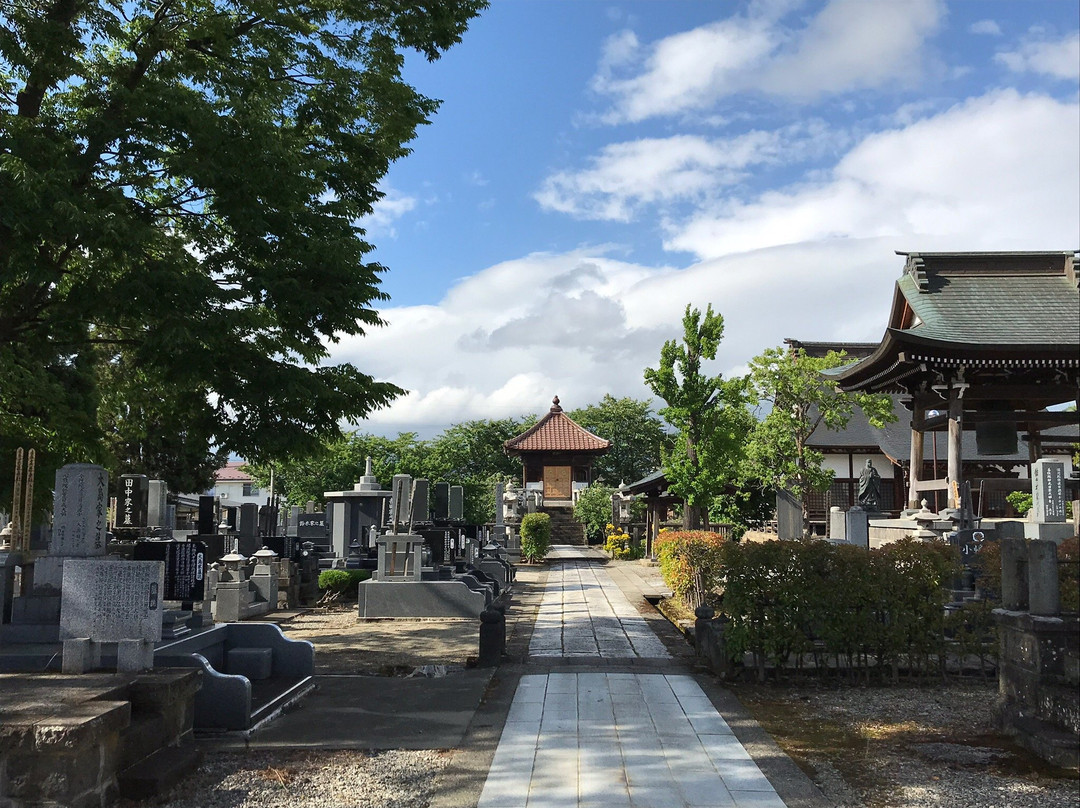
709	414
184	180
801	398
637	438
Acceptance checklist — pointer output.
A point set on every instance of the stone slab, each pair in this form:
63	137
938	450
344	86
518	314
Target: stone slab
416	599
1055	531
108	600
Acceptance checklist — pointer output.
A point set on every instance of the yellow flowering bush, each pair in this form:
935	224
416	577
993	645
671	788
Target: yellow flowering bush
618	543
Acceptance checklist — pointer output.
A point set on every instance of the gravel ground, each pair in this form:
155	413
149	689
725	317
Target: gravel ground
397	779
907	747
344	644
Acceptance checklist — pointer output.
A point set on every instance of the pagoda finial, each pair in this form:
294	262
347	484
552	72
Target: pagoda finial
555	405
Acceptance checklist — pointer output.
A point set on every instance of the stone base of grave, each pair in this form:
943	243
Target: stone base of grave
419	599
1054	531
1039	682
65	742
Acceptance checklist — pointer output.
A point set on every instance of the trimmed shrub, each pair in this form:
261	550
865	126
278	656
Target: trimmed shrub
342	583
535	536
691	562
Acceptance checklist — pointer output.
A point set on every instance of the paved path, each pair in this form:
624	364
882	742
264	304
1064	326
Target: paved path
607	738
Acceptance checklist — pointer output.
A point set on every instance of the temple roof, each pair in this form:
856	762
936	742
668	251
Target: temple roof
974	309
556	432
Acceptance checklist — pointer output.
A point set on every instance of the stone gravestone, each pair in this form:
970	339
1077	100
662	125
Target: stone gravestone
248	537
789	523
105	600
311	526
420	510
400	504
837	524
185	566
132	501
80	502
207	524
157	504
1048	491
457	503
440	502
857	527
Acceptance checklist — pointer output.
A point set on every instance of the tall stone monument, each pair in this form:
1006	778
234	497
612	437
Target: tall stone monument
80	505
1047	518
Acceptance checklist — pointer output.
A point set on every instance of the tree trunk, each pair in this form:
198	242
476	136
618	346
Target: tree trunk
691	516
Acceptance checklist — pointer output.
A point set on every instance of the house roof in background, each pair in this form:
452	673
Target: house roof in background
232	473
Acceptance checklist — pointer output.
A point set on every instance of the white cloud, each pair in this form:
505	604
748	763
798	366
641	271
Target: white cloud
998	171
853	44
850	44
386	213
1059	58
985	28
813	260
625	177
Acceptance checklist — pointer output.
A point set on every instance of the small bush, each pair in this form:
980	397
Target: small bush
593	510
1021	501
342	583
535	536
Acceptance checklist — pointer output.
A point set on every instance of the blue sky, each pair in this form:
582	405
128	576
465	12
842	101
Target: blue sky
596	166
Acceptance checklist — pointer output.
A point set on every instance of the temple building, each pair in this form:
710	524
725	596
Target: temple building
557	459
986	344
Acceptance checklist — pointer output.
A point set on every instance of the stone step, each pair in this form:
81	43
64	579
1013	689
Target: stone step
158	772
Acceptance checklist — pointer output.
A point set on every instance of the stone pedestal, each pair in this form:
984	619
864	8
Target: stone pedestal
857	527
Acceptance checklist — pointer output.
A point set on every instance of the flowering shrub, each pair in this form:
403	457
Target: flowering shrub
691	562
617	542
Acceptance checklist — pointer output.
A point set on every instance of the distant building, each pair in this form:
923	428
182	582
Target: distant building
557	459
235	487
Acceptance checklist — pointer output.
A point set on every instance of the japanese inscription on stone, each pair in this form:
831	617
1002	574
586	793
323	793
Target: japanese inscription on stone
80	500
108	600
1048	490
133	500
185	563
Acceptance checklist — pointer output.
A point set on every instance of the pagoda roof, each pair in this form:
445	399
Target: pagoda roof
994	309
556	432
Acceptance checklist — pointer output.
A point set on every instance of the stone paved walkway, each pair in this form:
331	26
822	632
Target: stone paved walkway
609	739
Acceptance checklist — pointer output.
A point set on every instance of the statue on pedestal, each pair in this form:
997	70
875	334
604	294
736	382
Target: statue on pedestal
870	488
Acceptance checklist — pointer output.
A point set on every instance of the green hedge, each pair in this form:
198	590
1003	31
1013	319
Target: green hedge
535	536
342	583
841	606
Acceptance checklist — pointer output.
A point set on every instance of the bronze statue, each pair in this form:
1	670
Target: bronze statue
870	488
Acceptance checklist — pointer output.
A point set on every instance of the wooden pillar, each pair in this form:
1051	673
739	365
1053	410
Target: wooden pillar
1034	445
916	456
956	431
